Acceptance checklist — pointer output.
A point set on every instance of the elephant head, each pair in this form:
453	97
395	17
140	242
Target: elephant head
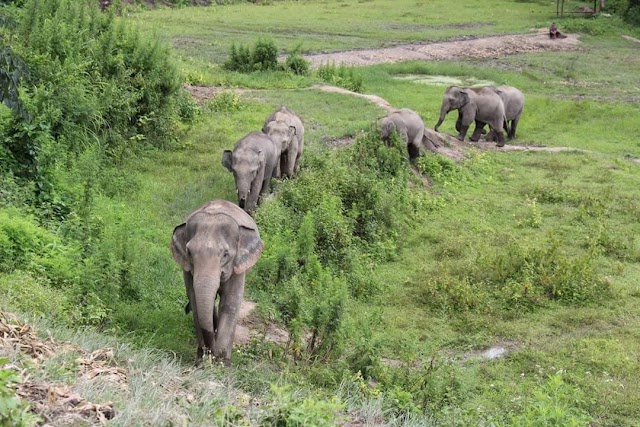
387	127
454	98
245	164
280	133
215	246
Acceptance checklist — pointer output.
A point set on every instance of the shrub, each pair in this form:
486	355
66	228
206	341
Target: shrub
323	233
342	76
263	57
286	409
13	412
296	63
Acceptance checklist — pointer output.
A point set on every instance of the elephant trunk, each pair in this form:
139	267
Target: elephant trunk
206	288
443	113
244	188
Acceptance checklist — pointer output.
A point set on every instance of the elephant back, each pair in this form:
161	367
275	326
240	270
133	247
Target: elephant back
215	207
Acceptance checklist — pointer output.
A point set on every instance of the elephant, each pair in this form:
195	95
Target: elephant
479	104
410	127
215	246
286	130
253	161
513	101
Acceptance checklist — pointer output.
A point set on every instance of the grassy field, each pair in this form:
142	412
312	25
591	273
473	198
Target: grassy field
534	253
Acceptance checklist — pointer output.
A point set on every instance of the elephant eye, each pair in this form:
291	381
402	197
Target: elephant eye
225	254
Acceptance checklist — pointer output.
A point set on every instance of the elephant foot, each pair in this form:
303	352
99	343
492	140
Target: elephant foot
460	138
500	144
474	139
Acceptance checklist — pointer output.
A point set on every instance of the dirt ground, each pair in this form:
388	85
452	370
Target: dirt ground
478	48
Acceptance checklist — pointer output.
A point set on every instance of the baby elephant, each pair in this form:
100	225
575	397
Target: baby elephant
286	130
409	127
253	161
215	246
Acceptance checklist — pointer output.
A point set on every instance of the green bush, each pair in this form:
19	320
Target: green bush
263	57
324	232
341	75
286	409
13	411
91	81
296	63
632	13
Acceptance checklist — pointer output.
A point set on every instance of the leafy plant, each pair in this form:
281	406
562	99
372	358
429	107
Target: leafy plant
341	75
13	411
296	63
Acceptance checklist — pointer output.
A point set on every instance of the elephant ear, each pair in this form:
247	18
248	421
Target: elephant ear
179	247
249	249
226	160
465	97
293	131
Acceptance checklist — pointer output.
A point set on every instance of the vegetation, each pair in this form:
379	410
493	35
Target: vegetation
390	289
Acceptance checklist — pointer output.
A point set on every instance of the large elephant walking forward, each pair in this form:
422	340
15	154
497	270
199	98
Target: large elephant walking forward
409	127
480	104
287	131
253	161
215	246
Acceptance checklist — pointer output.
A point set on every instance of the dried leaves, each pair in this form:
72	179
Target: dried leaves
59	404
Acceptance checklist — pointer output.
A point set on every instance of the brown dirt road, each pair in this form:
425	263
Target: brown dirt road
478	48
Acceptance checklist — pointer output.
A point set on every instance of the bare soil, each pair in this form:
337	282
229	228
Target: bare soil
478	48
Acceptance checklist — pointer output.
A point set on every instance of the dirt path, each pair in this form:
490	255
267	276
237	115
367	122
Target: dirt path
486	47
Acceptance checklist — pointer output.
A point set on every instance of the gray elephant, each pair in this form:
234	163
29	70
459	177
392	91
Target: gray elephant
253	161
513	101
480	104
286	130
215	246
409	127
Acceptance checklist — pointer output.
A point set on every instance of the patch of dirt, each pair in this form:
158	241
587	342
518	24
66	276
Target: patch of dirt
478	48
633	39
372	98
202	93
58	404
250	326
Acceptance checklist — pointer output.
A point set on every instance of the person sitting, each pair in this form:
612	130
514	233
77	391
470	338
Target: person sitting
553	31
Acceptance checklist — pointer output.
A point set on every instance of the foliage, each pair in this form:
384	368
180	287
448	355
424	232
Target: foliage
263	57
632	14
341	75
555	403
316	232
518	278
13	412
296	63
91	80
286	409
595	26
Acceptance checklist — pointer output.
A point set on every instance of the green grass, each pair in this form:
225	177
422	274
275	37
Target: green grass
575	356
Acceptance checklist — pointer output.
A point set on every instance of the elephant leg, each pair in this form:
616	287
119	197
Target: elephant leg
284	156
300	144
292	154
458	122
463	132
512	130
229	312
477	132
414	146
499	137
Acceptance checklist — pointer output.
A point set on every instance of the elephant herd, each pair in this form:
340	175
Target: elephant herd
499	107
219	242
